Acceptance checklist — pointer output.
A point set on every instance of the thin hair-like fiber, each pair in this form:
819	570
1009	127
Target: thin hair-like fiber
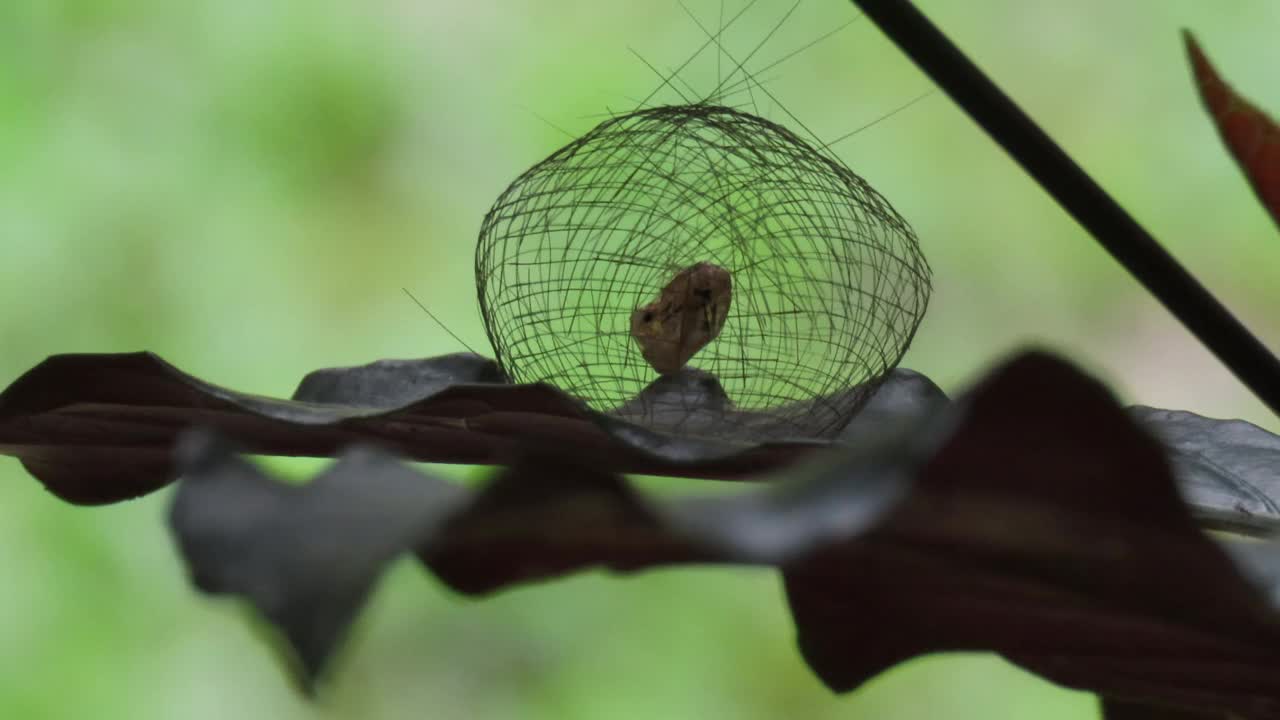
828	281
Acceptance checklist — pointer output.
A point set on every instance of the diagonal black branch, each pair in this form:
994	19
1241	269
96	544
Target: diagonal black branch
1080	196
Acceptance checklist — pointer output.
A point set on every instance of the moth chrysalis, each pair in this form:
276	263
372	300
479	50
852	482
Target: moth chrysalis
688	313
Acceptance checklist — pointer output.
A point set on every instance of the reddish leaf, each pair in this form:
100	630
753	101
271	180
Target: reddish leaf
1251	135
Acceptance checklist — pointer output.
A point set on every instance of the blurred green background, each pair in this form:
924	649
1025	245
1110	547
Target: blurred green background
243	186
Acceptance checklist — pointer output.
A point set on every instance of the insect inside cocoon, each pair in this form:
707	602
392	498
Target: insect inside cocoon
687	314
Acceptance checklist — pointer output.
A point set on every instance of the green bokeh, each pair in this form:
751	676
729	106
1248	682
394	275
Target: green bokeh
244	187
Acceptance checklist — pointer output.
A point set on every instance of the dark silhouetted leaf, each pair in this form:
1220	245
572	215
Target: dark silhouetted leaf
543	518
391	384
99	428
306	557
1249	133
1048	528
1228	470
1034	518
1122	710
